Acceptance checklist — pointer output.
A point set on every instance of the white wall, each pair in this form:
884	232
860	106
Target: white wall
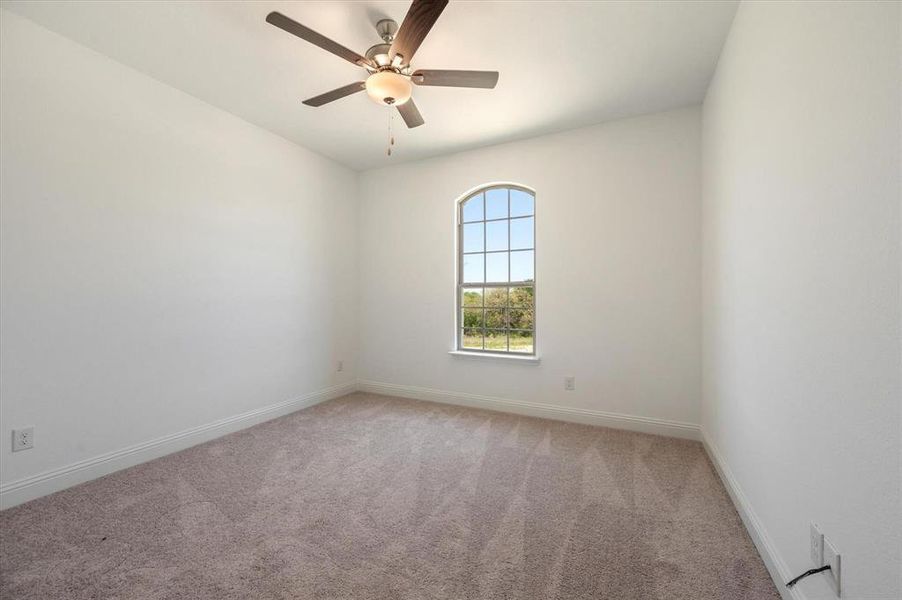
618	268
802	284
164	264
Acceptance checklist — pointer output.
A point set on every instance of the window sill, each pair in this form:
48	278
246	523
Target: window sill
524	359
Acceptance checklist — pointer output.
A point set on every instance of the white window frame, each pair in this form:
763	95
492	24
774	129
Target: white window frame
461	286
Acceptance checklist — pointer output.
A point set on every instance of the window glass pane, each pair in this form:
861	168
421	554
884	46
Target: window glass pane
497	242
496	204
521	318
496	235
472	318
496	266
521	266
471	297
473	209
522	234
471	339
473	268
521	341
496	318
474	237
522	296
522	204
496	340
496	297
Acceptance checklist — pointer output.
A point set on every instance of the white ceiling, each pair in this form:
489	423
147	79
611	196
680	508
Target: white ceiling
563	64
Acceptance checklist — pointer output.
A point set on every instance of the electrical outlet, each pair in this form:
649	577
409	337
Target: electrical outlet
23	439
816	545
341	366
834	575
570	383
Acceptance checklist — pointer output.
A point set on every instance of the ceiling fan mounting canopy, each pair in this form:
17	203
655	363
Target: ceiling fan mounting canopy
388	64
387	28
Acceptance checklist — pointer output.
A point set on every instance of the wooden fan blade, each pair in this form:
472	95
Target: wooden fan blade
351	88
317	39
421	16
468	79
410	114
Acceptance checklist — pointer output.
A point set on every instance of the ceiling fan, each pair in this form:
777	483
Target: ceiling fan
388	63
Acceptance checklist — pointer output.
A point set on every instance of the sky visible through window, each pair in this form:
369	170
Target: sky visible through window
507	241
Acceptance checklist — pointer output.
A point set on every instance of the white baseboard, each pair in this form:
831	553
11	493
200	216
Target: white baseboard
776	566
35	486
535	409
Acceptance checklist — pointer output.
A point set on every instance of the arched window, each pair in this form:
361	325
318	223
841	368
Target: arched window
496	294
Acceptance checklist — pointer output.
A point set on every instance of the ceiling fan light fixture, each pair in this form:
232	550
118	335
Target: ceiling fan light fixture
388	88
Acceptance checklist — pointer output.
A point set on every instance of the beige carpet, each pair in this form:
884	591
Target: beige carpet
376	497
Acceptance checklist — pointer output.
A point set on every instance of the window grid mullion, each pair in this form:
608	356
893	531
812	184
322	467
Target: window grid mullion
483	322
498	251
507	312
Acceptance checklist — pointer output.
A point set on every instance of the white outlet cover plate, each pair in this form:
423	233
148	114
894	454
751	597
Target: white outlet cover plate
834	559
23	439
816	545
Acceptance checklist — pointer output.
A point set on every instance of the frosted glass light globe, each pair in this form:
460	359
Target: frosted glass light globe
387	87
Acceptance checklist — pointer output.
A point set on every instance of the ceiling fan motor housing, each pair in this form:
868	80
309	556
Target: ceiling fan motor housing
379	54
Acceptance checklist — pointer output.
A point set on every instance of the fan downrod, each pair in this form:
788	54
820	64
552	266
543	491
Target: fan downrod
387	28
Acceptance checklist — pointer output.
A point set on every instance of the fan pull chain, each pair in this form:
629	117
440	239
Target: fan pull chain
391	136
